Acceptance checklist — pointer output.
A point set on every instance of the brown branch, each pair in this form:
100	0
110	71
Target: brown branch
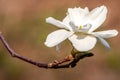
56	64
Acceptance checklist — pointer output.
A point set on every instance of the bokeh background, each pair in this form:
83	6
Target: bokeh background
22	22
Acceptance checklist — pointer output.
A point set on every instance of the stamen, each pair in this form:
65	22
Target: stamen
80	27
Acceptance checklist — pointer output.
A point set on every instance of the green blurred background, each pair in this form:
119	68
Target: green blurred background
22	22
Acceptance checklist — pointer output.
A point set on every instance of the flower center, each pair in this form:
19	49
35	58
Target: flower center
85	27
80	27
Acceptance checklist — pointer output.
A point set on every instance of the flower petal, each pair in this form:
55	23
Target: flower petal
95	12
56	23
97	17
104	42
76	15
106	34
66	20
86	8
83	42
57	37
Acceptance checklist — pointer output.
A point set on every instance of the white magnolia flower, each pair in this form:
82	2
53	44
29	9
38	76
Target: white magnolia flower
78	27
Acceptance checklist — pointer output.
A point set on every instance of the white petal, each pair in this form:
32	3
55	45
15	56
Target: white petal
86	8
56	23
57	37
66	20
83	42
104	42
97	18
95	12
106	34
73	26
76	15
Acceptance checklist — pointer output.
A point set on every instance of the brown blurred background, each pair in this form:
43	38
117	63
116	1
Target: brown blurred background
22	22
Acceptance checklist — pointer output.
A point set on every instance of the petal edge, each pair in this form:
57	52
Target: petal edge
83	42
57	37
106	34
